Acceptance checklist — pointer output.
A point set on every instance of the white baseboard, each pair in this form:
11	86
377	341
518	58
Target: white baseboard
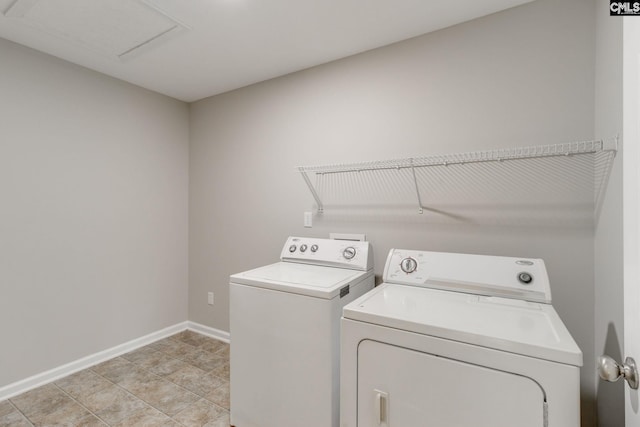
209	331
55	374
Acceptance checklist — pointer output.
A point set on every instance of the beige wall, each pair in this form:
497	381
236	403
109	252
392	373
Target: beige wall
93	212
608	263
521	77
95	175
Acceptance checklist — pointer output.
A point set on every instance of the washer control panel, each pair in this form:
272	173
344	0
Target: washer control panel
519	278
356	255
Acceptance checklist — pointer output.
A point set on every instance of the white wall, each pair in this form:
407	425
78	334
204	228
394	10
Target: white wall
608	263
521	77
93	212
631	204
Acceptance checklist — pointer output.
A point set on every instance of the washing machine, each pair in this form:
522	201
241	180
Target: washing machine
457	340
285	332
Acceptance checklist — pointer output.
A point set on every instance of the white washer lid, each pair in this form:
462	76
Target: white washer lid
522	327
305	279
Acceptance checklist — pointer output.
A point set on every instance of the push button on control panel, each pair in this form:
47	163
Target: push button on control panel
525	278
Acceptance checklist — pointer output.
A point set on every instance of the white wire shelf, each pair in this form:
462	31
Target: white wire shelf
421	175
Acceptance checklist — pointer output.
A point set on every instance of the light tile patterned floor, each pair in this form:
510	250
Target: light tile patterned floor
182	380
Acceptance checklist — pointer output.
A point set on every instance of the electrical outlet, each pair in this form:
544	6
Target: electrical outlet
210	298
308	219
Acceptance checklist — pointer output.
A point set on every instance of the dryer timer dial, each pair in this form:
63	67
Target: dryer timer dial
409	265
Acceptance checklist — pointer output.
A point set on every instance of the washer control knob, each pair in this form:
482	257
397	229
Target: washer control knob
349	252
292	248
409	265
525	278
314	248
303	248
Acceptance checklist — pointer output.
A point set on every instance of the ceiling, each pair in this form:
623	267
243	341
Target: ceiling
192	49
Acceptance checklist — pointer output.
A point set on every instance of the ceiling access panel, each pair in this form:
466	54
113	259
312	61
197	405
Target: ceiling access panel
119	29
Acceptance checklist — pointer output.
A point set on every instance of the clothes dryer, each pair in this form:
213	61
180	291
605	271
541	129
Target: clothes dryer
458	340
285	332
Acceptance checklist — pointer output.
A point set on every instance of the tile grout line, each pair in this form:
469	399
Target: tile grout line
165	379
187	362
178	385
158	349
20	412
81	404
131	394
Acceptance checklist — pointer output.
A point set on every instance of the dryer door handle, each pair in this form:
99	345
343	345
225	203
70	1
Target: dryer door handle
381	407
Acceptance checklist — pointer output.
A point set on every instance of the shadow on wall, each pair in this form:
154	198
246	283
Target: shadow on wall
559	218
610	396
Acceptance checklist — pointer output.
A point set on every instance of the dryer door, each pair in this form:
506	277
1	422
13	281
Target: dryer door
398	387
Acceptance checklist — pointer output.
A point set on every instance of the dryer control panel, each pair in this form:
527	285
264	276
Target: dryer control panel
355	255
519	278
